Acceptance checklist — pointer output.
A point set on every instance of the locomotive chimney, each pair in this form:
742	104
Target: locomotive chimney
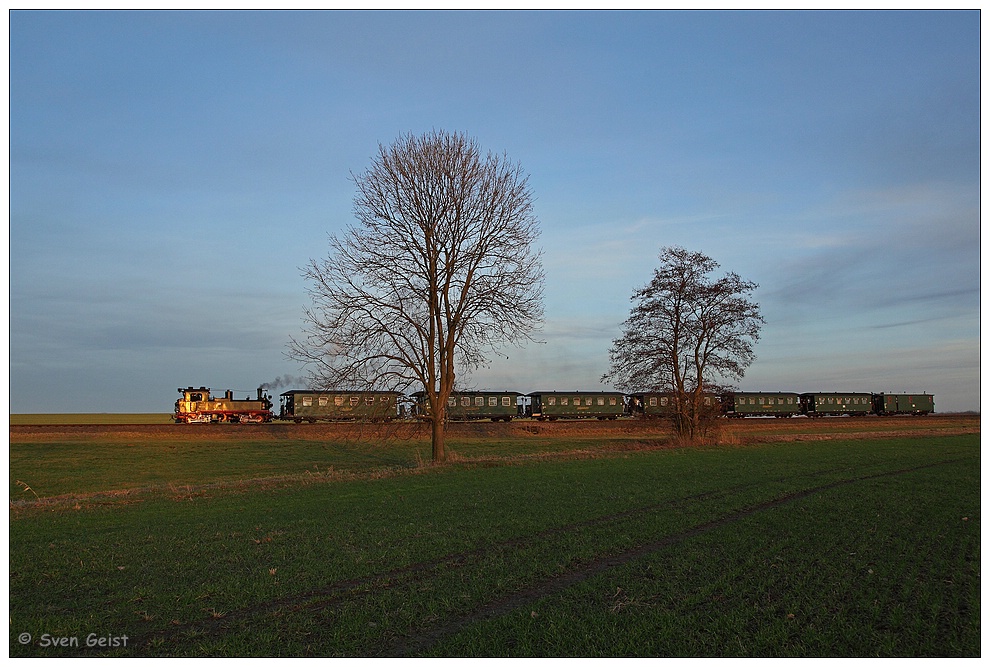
229	395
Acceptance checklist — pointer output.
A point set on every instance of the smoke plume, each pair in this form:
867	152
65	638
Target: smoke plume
285	381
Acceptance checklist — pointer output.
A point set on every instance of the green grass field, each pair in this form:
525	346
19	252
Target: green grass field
817	548
90	418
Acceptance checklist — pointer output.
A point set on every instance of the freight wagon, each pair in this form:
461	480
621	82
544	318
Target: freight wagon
903	404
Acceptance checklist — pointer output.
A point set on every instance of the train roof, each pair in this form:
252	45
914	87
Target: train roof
479	392
578	393
293	392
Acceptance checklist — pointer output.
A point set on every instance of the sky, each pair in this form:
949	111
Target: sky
171	172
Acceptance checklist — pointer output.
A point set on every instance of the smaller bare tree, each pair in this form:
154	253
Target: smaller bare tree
685	334
440	269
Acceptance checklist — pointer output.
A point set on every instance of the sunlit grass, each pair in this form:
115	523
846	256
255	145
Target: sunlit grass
838	548
90	418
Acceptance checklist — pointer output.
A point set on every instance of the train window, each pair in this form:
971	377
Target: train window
587	401
338	400
385	399
370	400
323	400
506	401
354	400
492	401
465	401
563	400
552	400
479	401
307	401
611	400
452	402
653	401
601	400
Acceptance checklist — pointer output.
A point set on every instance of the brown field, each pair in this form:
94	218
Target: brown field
740	431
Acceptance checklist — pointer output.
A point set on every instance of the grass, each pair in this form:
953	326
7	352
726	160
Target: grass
844	548
53	468
90	418
94	462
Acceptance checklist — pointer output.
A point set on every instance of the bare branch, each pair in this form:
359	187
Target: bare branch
439	270
685	333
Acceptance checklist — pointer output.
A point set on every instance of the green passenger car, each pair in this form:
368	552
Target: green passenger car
660	405
471	405
554	405
836	404
761	404
339	405
903	404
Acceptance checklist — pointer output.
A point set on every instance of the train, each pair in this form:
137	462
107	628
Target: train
198	406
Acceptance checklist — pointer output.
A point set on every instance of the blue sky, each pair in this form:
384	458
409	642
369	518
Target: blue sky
170	172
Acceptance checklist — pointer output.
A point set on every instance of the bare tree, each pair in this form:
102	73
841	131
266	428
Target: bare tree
686	332
439	270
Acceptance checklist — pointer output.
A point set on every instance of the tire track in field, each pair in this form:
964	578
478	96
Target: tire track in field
347	590
417	644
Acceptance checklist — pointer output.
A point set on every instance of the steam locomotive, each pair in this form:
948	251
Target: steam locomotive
198	406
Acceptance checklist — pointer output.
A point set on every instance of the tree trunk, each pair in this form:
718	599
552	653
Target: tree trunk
438	452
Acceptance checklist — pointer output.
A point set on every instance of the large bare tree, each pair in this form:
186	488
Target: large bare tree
439	271
687	332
